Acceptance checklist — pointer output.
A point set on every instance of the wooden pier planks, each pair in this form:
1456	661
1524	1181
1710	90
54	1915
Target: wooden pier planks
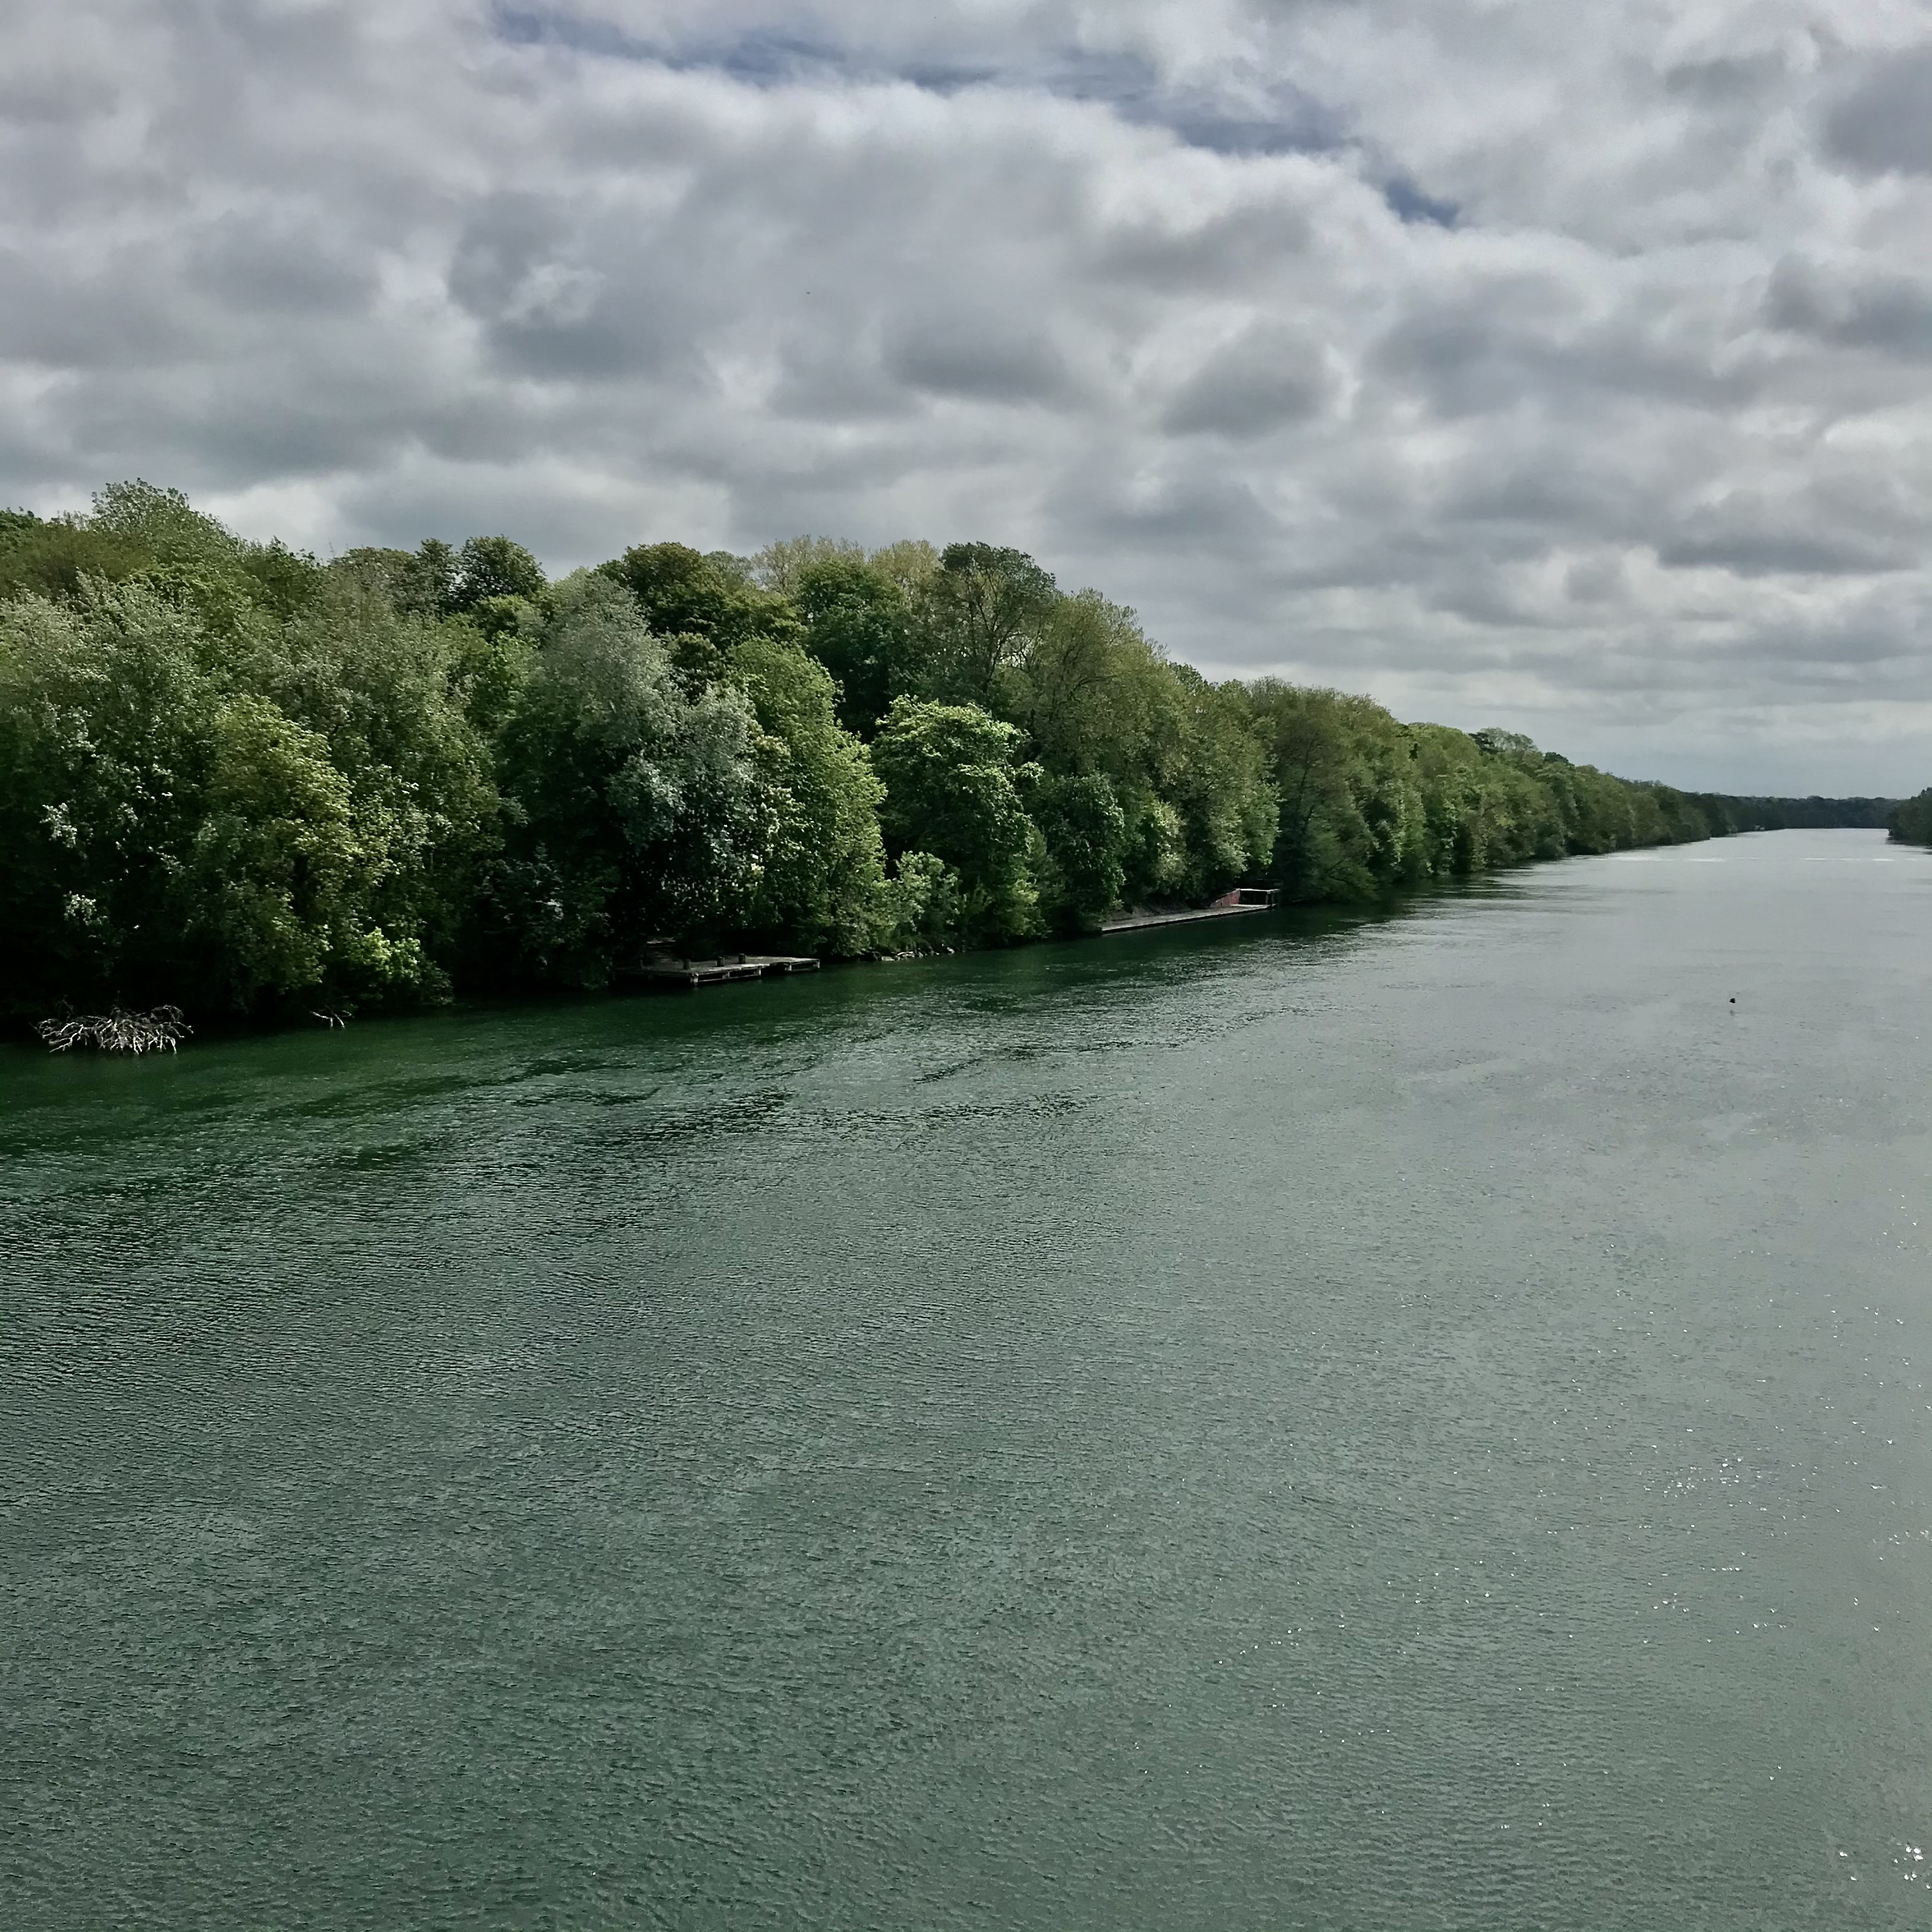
684	973
1145	921
1230	905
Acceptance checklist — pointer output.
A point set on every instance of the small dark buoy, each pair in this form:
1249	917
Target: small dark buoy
1734	999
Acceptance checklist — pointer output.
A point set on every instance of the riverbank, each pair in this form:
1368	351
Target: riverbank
1910	822
262	788
1307	921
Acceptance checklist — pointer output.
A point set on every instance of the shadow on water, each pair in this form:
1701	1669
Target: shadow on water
351	1073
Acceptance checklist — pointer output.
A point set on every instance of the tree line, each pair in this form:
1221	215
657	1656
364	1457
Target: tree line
1909	822
237	778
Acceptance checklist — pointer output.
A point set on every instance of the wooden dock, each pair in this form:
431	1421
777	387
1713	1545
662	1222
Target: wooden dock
663	971
1242	903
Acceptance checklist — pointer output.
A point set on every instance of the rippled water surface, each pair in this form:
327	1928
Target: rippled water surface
1416	1421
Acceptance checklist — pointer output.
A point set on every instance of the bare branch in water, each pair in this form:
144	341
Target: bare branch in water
119	1031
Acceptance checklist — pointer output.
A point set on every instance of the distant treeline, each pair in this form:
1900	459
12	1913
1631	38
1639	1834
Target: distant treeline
241	780
1786	814
1910	822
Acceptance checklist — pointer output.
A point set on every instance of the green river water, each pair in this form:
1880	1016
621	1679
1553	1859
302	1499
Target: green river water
1401	1421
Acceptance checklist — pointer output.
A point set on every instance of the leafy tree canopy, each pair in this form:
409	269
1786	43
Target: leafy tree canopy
234	777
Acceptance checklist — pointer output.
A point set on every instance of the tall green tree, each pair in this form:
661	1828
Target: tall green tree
1083	832
685	593
823	882
980	609
953	790
1348	780
638	808
490	568
858	624
391	698
169	831
1910	822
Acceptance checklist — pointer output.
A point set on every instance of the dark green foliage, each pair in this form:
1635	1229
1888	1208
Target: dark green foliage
1354	808
1217	778
241	830
423	582
164	524
636	809
1367	803
1778	815
49	559
684	593
437	579
1910	823
952	791
823	880
979	610
489	570
236	779
107	717
858	624
283	581
1085	834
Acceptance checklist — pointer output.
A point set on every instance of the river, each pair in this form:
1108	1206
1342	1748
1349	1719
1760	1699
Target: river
1333	1420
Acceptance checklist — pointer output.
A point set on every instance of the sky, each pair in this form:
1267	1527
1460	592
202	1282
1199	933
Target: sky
1566	368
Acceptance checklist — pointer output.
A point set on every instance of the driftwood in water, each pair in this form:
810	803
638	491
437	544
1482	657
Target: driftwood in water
119	1031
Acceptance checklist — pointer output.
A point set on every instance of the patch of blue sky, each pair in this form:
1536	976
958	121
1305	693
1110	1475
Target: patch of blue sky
551	26
1222	131
763	58
1288	121
1407	203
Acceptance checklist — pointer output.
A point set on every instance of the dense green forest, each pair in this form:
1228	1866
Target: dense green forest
237	778
1910	821
1786	814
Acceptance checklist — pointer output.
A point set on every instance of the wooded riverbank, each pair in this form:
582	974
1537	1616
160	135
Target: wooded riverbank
240	781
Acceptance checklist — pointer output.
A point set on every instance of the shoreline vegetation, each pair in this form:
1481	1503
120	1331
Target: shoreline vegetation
1909	822
238	779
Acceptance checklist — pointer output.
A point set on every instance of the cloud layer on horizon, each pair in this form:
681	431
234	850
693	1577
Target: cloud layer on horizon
1566	369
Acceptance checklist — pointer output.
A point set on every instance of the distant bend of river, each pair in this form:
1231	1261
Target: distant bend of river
1416	1420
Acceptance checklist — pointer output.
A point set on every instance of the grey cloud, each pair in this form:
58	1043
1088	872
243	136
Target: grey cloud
1752	545
286	267
1521	341
53	96
1480	596
560	302
1891	313
839	378
1189	514
979	357
504	238
1630	350
1858	522
1882	122
1595	580
55	315
1232	249
1727	78
1535	493
246	429
1271	375
1409	203
1471	359
1291	123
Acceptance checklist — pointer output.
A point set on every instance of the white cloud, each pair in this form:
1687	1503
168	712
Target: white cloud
1559	367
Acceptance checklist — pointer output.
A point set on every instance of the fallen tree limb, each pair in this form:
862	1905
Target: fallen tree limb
119	1031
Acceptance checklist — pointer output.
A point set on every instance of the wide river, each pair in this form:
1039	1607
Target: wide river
1382	1422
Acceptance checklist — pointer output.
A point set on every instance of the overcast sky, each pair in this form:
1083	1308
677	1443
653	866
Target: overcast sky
1563	367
